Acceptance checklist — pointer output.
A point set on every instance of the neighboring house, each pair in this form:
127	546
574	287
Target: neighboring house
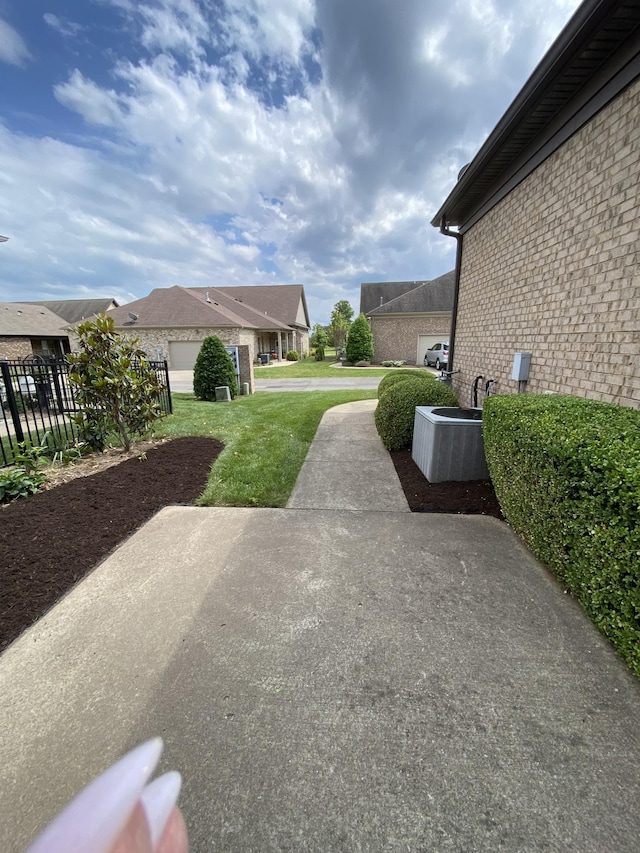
28	329
407	317
171	323
548	223
76	310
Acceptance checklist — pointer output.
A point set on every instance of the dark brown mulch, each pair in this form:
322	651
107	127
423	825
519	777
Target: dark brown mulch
49	541
474	497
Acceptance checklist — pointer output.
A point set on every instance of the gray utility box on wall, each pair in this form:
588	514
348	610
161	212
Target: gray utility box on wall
521	366
449	447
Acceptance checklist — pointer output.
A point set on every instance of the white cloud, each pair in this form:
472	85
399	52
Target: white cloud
193	165
13	49
63	26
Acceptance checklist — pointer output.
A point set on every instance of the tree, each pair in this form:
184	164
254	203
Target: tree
319	340
359	341
319	336
342	309
116	388
340	322
213	368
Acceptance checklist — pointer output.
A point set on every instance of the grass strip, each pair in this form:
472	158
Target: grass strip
309	368
266	439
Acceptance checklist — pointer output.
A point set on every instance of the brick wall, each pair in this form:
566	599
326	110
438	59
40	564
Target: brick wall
12	348
396	338
554	269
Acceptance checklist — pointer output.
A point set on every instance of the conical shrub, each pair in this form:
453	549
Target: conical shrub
213	368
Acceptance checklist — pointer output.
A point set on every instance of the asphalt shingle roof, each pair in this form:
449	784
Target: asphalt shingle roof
30	320
76	310
188	307
427	297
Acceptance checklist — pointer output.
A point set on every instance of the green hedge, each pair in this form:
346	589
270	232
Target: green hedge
395	412
398	375
567	474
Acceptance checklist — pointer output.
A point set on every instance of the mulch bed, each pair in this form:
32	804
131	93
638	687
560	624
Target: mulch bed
473	497
48	542
51	540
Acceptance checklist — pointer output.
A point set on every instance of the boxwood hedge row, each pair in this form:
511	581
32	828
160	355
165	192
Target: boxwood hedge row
567	474
395	412
400	375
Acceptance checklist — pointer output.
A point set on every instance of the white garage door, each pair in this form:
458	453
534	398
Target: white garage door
183	354
426	341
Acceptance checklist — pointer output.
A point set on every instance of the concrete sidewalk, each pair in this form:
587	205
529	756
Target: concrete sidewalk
331	679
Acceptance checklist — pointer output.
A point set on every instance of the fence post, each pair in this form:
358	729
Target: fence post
166	376
11	399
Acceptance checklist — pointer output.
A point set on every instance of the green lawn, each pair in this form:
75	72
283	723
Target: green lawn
309	368
266	439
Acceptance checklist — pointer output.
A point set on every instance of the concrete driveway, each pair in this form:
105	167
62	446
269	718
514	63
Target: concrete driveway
340	675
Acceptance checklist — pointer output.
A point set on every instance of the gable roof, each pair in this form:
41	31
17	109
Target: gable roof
593	59
179	307
76	310
276	300
376	293
29	320
430	296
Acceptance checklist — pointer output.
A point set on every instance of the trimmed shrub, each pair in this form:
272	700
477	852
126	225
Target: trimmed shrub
292	355
391	378
359	341
395	412
319	353
213	368
567	474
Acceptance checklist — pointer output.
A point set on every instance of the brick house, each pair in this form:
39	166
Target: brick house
547	221
28	329
407	317
172	322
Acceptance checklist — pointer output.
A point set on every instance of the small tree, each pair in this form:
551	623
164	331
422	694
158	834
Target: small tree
359	341
319	336
116	388
341	317
319	340
213	368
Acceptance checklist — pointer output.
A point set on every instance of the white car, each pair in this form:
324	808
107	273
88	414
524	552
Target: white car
438	355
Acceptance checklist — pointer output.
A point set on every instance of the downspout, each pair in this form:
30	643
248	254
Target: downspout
456	290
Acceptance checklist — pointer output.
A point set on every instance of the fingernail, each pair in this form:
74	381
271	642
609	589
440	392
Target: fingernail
157	799
92	822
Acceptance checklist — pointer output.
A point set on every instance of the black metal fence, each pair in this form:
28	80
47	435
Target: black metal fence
38	401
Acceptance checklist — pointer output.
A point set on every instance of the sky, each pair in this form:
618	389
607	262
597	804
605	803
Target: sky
149	143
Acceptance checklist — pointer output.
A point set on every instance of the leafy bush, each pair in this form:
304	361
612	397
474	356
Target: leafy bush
567	474
116	388
292	355
213	368
319	353
19	483
391	378
359	341
395	413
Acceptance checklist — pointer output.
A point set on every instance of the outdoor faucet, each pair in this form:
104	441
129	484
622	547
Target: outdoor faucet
474	391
